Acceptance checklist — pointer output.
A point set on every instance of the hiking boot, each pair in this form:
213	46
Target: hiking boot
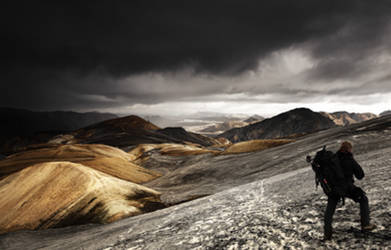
369	227
327	236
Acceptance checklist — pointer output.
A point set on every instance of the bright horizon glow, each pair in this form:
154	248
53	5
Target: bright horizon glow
252	108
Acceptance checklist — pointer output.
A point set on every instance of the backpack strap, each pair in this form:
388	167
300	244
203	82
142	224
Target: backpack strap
337	167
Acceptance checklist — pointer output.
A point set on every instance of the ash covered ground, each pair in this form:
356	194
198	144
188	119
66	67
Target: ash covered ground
278	207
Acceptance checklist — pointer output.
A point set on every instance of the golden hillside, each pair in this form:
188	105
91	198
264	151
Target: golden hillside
63	193
110	160
254	145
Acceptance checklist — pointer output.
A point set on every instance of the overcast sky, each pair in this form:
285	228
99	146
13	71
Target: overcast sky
180	57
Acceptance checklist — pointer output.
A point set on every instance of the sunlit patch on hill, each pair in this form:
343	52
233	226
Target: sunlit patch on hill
172	149
255	145
109	160
58	194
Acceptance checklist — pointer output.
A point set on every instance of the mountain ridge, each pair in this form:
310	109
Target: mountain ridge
344	118
133	130
21	127
291	123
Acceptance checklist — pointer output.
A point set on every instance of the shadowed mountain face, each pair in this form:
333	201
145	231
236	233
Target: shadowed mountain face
273	204
344	118
132	130
21	127
388	112
295	122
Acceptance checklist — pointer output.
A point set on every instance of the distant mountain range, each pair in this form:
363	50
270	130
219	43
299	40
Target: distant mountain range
204	122
289	124
21	127
219	128
344	118
26	122
254	118
132	130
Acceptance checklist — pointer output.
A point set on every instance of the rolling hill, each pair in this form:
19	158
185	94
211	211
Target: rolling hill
109	160
72	184
57	194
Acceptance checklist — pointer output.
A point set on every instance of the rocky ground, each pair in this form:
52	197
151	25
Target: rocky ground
278	207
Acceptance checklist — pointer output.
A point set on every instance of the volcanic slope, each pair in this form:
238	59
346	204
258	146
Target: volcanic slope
278	207
289	124
59	194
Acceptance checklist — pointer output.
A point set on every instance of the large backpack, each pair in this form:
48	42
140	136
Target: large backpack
328	173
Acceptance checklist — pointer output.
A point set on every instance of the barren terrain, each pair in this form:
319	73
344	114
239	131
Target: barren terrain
264	199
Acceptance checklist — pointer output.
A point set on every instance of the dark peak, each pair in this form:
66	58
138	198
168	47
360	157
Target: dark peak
294	122
298	111
301	109
129	122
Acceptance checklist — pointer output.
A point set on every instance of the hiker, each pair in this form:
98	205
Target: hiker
349	167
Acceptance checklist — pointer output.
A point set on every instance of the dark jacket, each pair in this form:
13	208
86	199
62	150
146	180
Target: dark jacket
350	167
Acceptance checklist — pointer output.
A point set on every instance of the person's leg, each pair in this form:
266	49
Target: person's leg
358	195
364	210
328	217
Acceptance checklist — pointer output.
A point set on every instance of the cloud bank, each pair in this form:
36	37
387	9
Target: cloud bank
123	55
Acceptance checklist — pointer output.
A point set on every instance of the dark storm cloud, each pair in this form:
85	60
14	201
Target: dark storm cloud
73	54
136	36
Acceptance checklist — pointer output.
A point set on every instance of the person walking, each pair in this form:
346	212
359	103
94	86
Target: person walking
350	168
